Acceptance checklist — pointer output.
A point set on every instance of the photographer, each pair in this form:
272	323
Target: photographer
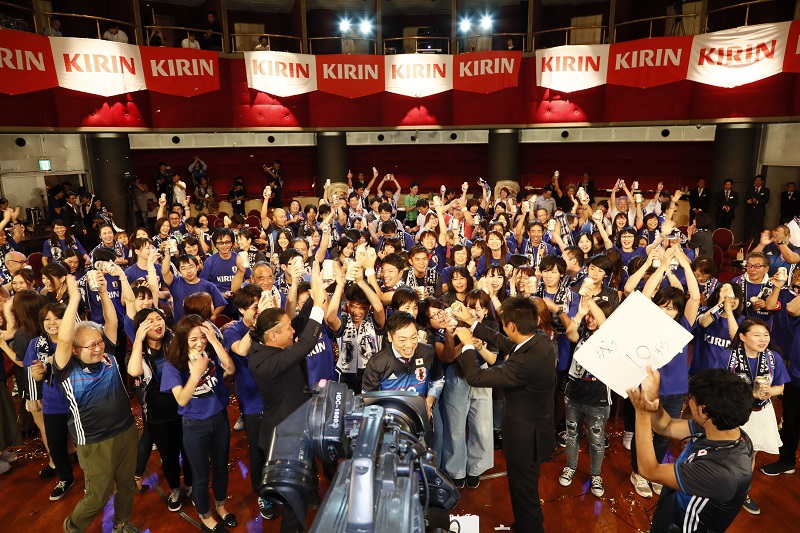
528	380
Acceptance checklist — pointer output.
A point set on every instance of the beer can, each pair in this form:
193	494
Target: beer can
637	197
327	270
422	335
762	384
91	278
245	259
782	274
551	224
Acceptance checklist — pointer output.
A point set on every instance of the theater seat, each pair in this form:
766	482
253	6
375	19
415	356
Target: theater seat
35	262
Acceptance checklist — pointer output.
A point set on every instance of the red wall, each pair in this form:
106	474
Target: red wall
675	163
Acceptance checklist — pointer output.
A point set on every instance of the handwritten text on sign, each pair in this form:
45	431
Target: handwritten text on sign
636	335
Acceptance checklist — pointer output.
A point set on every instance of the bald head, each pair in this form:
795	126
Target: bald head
279	216
15	261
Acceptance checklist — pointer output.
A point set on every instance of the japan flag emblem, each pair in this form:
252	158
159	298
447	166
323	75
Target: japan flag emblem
421	373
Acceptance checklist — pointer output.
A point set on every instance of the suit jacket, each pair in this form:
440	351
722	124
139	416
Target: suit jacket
528	380
761	197
790	207
281	375
73	220
732	201
700	201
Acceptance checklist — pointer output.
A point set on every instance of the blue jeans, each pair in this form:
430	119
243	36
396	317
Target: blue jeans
596	418
672	405
464	405
203	439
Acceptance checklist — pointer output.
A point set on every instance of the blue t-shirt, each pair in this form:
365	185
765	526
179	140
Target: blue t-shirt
246	390
675	374
99	404
135	273
55	253
92	300
320	360
784	325
180	290
47	390
482	267
220	271
779	373
209	397
712	347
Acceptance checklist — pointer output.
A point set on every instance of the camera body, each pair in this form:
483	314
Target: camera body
388	477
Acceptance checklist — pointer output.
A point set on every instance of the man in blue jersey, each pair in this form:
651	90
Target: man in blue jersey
100	418
405	364
706	486
188	283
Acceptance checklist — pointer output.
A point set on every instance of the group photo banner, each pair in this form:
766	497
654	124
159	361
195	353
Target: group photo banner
728	58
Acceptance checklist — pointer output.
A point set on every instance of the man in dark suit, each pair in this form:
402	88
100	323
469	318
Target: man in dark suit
71	215
528	380
726	201
588	186
699	200
757	198
790	203
278	364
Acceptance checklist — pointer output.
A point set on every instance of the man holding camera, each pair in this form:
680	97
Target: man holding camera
528	380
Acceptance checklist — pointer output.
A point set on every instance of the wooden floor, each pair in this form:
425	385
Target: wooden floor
26	508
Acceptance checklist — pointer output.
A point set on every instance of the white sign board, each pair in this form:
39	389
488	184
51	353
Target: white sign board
637	335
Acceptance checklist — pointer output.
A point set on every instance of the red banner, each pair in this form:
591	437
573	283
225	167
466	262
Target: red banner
351	76
26	63
180	71
650	62
791	60
486	72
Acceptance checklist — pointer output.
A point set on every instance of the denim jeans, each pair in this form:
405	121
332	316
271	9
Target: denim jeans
672	405
596	418
464	405
203	439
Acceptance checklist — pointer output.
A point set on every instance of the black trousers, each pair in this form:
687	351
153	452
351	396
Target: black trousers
523	484
55	426
258	457
790	430
725	219
168	437
753	224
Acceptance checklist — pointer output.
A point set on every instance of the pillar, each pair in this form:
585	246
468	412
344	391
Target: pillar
736	157
503	157
110	159
331	158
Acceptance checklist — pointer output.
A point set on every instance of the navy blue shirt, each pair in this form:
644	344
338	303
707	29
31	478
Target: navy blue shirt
246	390
210	396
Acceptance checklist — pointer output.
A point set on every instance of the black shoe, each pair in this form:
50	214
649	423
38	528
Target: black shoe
498	440
47	472
229	520
61	489
313	499
459	482
473	482
267	509
219	528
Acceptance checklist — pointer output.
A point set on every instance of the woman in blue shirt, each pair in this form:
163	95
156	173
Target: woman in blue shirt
716	327
194	373
60	239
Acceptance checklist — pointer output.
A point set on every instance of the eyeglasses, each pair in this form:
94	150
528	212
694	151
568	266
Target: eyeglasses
16	261
755	266
438	315
224	242
94	345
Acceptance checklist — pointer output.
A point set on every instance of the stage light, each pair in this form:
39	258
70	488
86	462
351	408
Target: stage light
465	25
366	27
486	23
344	26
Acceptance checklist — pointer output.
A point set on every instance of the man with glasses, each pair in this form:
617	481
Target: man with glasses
188	283
756	286
100	418
776	246
10	265
220	268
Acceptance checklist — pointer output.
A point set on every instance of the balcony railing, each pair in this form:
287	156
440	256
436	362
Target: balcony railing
676	21
440	45
470	42
131	36
745	5
235	45
568	32
350	45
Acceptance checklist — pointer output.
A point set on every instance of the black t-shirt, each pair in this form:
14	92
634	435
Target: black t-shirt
583	387
157	406
714	477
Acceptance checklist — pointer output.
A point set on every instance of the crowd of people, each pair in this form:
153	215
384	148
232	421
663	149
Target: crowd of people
475	302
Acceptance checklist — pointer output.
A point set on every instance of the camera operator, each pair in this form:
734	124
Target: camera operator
278	364
708	483
528	380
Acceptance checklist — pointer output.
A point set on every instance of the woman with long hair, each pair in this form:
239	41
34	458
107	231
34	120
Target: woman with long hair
194	373
160	411
60	239
46	392
163	232
74	262
497	253
716	329
496	284
459	256
109	241
753	360
460	285
23	280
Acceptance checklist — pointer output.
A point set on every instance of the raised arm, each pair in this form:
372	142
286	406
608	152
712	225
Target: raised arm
693	296
166	271
332	312
162	207
265	220
67	330
378	312
110	320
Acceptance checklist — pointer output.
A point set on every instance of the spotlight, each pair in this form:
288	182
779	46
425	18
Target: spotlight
465	25
344	26
366	27
486	23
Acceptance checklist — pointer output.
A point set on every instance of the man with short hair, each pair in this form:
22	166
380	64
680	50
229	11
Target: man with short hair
790	203
188	283
757	198
546	201
726	201
220	267
699	200
263	44
598	268
190	42
71	214
705	488
116	35
420	276
410	203
776	246
756	286
528	381
212	38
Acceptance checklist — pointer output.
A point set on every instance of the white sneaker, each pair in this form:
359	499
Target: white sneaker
565	479
641	485
657	488
627	437
597	486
